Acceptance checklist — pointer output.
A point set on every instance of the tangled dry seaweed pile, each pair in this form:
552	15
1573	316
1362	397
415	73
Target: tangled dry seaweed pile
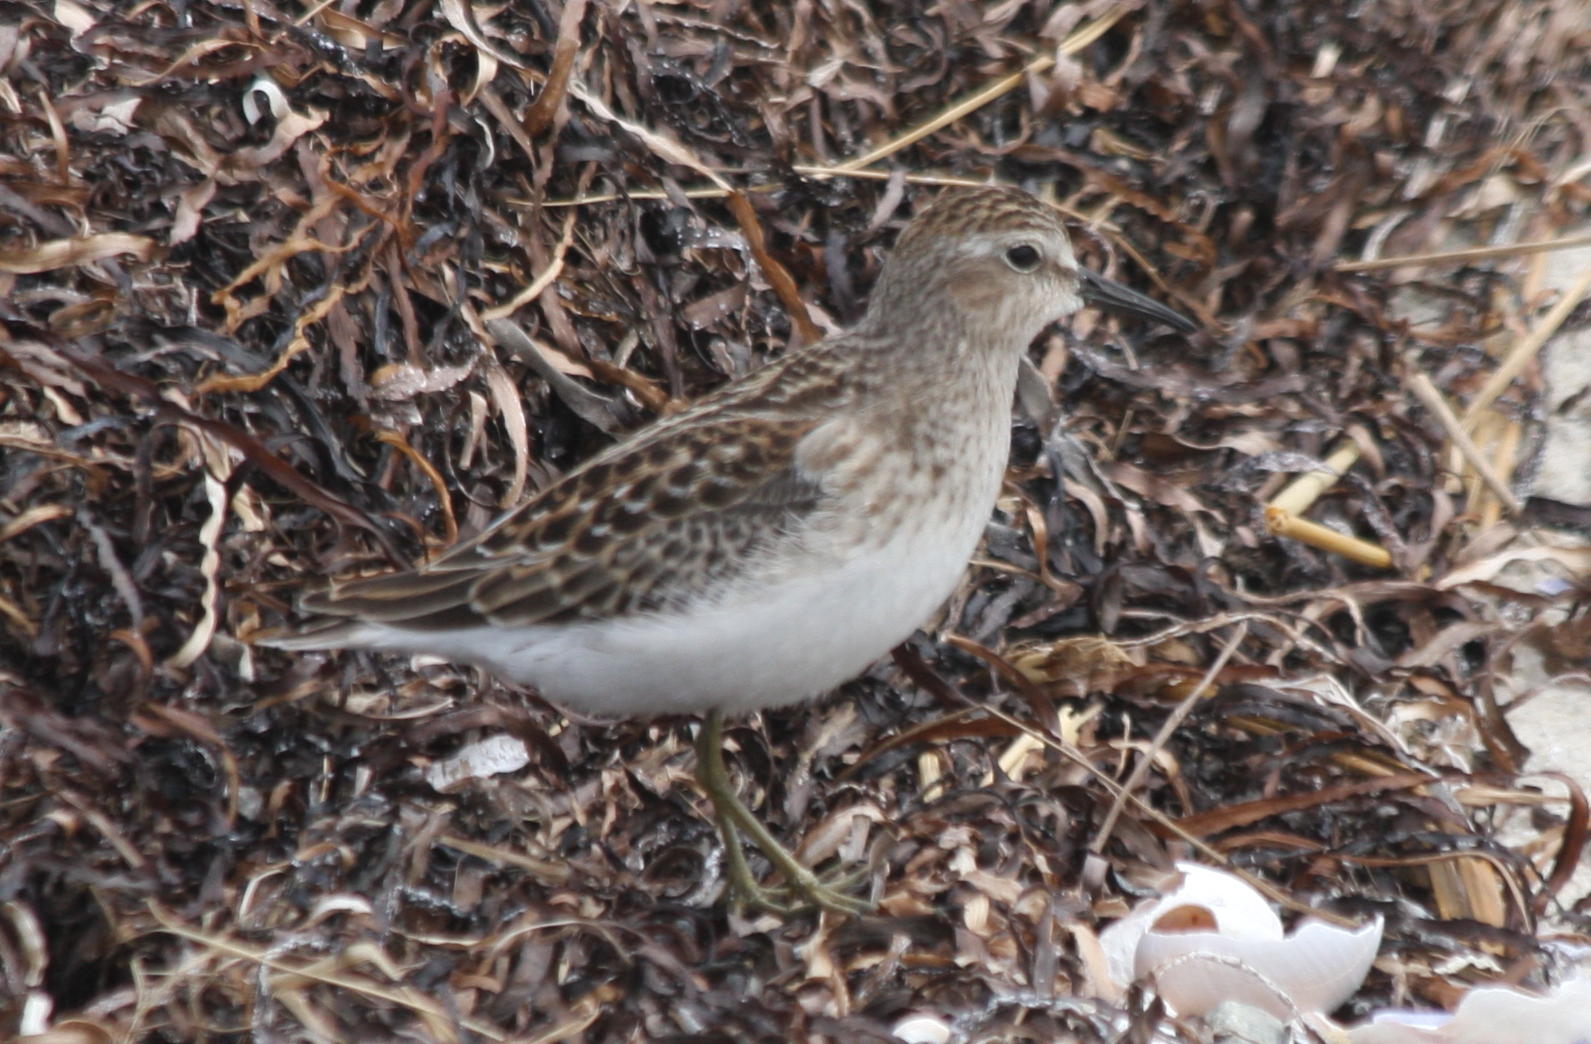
292	292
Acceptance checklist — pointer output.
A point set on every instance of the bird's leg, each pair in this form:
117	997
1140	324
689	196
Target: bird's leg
830	893
734	818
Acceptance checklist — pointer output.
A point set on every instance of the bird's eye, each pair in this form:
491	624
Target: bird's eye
1024	257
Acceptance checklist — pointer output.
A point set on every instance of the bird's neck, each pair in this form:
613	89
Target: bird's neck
933	363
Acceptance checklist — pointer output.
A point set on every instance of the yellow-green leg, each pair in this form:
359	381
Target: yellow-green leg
734	818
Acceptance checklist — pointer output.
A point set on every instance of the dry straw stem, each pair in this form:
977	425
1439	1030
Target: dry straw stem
1173	721
1304	490
1503	435
1497	432
1078	40
930	775
804	169
1281	514
1517	359
424	1007
1283	523
1503	438
1426	392
985	94
1441	257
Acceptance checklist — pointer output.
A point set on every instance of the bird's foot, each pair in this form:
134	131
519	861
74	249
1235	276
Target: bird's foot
802	889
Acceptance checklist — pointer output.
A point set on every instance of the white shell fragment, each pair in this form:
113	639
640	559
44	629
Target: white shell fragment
922	1029
1214	939
491	756
1489	1015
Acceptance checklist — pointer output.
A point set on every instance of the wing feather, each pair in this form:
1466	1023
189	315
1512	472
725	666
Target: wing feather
652	525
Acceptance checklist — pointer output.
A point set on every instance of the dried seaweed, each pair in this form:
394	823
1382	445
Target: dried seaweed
285	293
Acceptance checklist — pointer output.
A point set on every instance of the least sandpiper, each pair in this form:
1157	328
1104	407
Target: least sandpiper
778	536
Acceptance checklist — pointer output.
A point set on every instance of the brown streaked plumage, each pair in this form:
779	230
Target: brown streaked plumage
772	540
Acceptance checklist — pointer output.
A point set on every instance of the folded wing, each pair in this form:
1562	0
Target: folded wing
655	526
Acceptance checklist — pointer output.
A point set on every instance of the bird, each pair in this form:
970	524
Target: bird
775	538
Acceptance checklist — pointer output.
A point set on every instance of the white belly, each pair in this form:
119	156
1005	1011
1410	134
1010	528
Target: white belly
762	645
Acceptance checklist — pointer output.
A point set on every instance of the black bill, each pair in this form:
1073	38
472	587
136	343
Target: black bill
1097	290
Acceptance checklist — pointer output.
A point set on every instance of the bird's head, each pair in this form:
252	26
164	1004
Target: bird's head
999	261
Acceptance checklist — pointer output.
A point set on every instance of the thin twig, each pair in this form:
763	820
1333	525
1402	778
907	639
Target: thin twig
1517	359
1170	725
1284	523
804	169
1078	40
403	996
1304	490
1439	257
1426	392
